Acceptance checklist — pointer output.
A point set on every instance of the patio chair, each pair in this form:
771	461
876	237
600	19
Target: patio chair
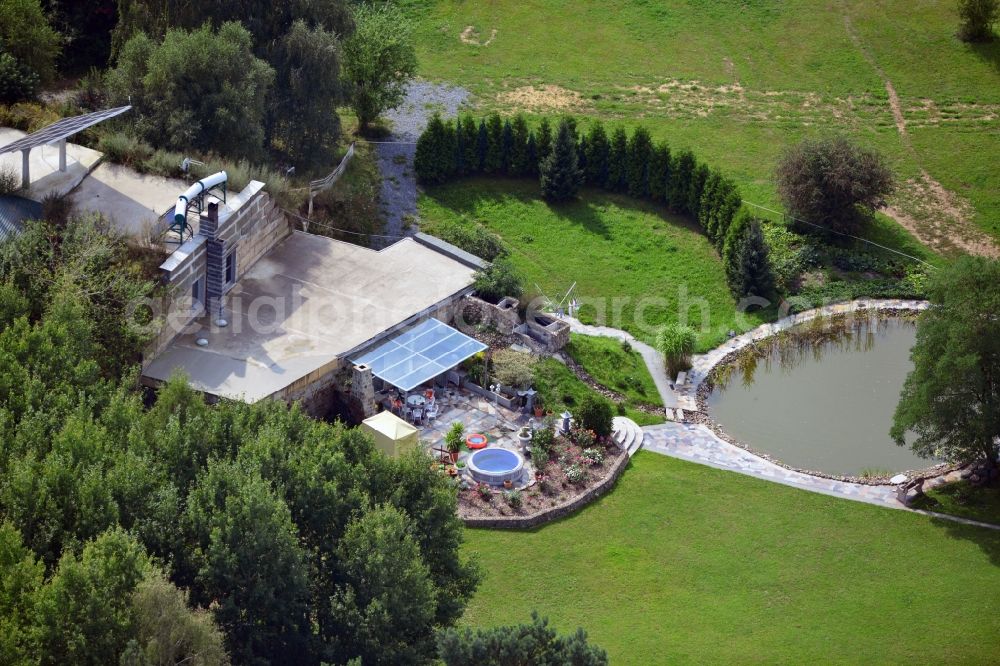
431	413
418	415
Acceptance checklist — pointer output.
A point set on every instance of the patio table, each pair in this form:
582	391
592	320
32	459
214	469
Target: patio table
416	400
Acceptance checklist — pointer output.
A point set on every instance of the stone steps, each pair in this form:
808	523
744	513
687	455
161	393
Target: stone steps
627	434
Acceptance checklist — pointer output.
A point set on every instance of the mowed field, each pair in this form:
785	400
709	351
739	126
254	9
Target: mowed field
739	80
683	563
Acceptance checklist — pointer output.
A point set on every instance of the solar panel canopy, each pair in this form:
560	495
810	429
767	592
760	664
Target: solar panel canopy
419	354
62	129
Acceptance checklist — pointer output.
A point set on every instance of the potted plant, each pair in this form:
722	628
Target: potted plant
454	439
508	484
539	410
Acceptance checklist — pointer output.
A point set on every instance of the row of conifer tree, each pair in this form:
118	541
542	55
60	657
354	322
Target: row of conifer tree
618	162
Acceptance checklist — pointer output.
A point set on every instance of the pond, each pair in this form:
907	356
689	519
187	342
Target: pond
821	397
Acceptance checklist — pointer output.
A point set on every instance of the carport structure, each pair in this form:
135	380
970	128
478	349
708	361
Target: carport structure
56	134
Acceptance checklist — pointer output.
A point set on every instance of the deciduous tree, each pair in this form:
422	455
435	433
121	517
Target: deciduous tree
951	399
833	183
379	60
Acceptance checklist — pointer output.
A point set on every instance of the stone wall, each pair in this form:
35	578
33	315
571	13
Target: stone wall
553	333
254	226
503	316
556	512
178	308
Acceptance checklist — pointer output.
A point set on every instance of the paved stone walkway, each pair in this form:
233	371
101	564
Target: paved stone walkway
697	443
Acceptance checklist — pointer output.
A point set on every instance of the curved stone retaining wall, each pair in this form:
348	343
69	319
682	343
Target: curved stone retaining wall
559	511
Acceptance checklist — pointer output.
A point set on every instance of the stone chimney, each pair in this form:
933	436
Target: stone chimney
208	226
362	389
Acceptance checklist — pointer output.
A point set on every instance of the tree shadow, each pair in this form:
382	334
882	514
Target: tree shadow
467	195
989	52
988	540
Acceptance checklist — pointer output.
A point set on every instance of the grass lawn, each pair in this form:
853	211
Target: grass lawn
965	500
686	563
635	266
560	390
616	367
738	81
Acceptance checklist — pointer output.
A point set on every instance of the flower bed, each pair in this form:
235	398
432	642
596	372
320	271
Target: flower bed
574	468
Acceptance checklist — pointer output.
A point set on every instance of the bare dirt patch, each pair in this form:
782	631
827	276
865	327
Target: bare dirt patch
939	218
543	98
471	36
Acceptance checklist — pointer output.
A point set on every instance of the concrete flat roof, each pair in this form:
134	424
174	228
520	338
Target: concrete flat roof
309	302
132	201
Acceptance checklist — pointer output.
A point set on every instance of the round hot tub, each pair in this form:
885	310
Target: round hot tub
494	466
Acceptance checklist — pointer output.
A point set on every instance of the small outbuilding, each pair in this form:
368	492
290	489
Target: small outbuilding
393	436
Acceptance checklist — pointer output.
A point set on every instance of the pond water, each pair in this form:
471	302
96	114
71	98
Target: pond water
823	405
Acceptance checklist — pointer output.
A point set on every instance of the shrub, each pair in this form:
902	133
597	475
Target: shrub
575	473
475	239
676	343
498	280
561	177
485	492
17	82
514	368
57	208
541	445
125	149
455	437
27	116
582	437
594	413
164	163
513	498
833	182
592	456
976	19
10	180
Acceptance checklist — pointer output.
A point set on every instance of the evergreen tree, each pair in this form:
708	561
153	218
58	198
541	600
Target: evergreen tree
531	156
461	167
707	206
482	146
728	207
470	139
598	155
659	172
697	188
543	140
519	148
640	149
560	172
507	149
582	148
434	161
494	134
681	175
751	274
617	161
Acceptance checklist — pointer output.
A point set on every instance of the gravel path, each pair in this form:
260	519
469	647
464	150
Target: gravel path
395	160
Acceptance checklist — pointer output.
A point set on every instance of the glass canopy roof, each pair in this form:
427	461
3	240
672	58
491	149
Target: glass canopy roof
419	354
